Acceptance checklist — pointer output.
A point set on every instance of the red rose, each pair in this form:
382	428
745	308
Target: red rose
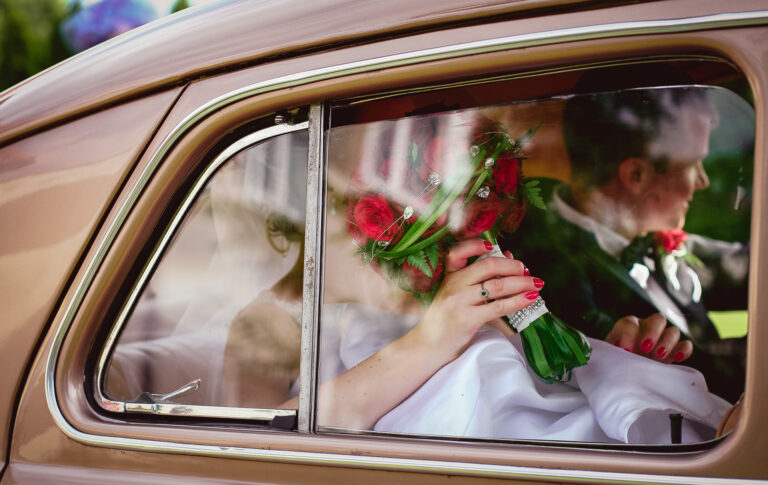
418	281
506	173
352	226
671	240
514	211
374	218
479	217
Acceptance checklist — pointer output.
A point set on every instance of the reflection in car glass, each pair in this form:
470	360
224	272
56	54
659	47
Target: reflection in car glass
589	202
223	308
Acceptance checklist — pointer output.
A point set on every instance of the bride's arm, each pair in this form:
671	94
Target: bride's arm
359	397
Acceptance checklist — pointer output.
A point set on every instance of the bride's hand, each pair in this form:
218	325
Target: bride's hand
650	337
459	308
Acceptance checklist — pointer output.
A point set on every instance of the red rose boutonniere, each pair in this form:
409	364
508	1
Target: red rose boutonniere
671	240
670	246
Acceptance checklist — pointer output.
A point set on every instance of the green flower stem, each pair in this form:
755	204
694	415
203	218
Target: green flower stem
416	247
535	355
480	179
483	174
553	349
488	236
449	191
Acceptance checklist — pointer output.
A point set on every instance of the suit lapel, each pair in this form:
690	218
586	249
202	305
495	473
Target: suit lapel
701	327
594	252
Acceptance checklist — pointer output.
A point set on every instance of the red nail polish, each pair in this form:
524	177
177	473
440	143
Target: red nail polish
661	351
532	295
679	357
538	283
647	345
627	349
617	342
488	246
526	271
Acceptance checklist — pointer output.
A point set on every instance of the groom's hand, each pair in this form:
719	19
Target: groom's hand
650	337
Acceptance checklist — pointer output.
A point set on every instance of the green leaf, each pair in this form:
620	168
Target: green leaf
419	260
693	260
179	5
533	194
432	253
523	140
414	248
451	188
413	153
476	186
532	183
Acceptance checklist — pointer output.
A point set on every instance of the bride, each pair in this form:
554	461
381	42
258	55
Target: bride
457	370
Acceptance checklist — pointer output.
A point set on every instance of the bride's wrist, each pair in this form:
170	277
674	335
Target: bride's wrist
434	345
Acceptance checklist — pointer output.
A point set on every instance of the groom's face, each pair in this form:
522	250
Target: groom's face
683	143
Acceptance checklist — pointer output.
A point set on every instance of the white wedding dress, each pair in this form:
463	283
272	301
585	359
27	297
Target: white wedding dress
489	391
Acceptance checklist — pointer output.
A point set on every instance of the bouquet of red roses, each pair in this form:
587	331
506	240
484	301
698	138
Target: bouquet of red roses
408	206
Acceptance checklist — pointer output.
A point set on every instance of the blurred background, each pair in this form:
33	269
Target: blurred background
36	34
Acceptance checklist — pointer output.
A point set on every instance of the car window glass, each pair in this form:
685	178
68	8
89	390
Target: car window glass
616	201
222	310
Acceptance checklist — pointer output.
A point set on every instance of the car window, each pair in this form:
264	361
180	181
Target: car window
621	214
218	322
604	199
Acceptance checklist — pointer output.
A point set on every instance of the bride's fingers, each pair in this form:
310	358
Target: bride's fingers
456	258
681	351
490	268
503	287
505	306
669	338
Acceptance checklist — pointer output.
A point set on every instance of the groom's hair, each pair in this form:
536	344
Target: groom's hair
603	128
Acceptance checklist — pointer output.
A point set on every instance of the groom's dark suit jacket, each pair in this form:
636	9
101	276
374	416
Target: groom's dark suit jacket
591	290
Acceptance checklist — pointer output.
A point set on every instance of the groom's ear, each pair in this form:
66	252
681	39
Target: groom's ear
635	175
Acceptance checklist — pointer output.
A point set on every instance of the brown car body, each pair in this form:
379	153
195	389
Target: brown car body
93	150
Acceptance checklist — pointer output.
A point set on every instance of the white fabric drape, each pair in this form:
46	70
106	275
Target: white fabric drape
489	391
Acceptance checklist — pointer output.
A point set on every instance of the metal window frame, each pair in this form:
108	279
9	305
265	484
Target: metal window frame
552	37
173	409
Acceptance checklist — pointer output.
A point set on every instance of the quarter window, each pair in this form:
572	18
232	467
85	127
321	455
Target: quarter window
218	322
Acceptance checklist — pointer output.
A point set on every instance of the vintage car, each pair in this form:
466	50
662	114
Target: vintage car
186	279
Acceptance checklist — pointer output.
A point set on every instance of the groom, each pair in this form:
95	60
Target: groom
636	161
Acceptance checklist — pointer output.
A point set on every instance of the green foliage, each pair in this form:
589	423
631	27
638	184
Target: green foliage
413	155
723	210
432	253
693	260
29	38
532	192
179	5
523	140
419	260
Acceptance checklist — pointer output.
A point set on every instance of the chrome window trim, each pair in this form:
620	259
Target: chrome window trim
314	236
173	409
552	37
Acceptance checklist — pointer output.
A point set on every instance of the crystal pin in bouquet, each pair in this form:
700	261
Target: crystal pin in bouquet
458	189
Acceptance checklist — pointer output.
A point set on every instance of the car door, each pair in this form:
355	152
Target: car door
216	278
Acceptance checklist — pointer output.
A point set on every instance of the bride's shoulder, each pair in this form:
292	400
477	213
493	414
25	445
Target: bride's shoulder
267	305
